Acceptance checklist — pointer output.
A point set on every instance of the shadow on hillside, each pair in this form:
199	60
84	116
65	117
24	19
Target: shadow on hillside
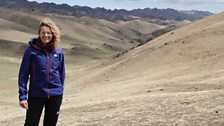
11	48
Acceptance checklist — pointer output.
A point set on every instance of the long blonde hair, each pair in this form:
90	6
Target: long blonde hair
54	29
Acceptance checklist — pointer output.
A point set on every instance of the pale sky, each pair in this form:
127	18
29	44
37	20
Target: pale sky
214	6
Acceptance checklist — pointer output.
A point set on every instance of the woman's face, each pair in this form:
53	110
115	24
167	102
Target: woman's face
45	34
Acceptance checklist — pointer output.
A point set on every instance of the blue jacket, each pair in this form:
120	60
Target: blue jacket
44	70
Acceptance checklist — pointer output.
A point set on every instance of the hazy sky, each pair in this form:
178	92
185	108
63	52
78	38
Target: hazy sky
214	6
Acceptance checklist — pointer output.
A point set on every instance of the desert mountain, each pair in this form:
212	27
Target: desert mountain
153	15
175	79
89	33
191	47
85	37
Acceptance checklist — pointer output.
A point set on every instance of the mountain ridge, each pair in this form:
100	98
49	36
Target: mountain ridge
152	15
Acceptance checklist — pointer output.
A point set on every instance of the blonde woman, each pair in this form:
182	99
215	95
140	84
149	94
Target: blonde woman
43	66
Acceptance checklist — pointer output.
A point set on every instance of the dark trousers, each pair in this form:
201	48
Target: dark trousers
51	113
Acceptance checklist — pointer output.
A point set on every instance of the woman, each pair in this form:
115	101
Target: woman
43	65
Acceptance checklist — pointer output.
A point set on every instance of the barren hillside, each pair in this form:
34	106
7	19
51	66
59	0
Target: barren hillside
177	79
192	49
84	40
174	80
87	38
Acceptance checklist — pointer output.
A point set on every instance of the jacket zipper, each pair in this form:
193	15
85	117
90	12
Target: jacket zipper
46	52
50	76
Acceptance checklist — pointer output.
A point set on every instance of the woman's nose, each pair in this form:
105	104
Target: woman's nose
46	34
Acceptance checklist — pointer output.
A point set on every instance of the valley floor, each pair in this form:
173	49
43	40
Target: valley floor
200	108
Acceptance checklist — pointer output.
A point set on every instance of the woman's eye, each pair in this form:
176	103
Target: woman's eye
48	33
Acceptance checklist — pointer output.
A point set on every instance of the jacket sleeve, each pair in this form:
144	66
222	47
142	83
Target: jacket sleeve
62	68
23	76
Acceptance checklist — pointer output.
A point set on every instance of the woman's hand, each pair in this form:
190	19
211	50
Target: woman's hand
24	104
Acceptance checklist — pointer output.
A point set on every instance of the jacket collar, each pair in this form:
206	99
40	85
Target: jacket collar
34	43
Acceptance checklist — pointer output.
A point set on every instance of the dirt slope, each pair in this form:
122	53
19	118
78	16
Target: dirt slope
177	79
